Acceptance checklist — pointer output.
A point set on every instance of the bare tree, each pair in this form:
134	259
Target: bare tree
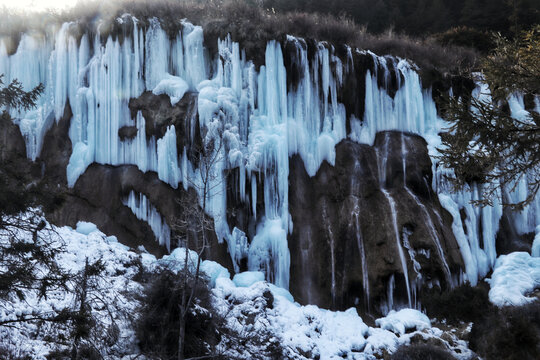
195	224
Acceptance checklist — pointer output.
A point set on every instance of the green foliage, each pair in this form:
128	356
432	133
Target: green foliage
512	333
514	66
483	143
14	96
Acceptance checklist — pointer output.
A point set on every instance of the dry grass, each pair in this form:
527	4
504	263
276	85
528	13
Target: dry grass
252	26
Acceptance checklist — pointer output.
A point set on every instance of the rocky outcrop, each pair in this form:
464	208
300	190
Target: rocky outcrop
343	247
99	194
98	197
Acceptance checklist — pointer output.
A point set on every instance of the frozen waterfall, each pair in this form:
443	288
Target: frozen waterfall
258	114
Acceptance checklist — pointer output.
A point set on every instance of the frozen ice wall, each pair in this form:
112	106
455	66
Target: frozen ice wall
144	210
256	118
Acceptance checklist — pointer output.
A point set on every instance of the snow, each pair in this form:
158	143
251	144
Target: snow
307	332
176	260
87	242
86	228
173	86
303	332
401	321
514	276
247	278
214	271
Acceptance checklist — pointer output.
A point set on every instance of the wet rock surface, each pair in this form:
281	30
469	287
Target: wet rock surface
342	211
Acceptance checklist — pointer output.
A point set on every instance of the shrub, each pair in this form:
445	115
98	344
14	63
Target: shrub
511	333
252	26
10	353
463	303
157	327
421	351
467	37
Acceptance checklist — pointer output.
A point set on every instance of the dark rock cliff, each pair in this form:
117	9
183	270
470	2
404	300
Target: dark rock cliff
342	212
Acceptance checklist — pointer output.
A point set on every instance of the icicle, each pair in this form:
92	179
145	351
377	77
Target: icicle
144	210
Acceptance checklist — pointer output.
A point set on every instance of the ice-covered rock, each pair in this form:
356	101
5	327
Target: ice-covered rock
403	320
514	276
86	228
247	278
173	86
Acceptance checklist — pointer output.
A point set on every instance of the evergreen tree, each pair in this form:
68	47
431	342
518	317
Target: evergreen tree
27	255
484	143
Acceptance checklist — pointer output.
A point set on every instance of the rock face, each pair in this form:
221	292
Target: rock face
99	194
295	195
344	244
343	247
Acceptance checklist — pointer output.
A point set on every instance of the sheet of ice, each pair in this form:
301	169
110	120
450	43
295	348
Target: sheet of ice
247	278
401	321
514	276
261	120
269	252
144	210
86	228
535	249
471	268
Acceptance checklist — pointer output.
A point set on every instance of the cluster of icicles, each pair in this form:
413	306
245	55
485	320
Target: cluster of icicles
260	121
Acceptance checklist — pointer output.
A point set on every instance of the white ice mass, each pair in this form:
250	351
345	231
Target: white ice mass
514	277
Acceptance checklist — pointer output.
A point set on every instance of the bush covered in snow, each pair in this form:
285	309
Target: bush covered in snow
514	276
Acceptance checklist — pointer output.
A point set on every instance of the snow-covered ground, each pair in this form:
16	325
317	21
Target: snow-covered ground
116	286
249	305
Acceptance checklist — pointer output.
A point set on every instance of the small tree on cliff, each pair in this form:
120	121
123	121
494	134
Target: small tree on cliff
484	143
27	253
194	223
189	286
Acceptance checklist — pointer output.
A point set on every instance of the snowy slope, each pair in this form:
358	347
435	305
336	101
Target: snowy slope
303	332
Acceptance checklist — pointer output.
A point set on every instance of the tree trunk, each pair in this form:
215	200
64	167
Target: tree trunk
181	335
81	313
